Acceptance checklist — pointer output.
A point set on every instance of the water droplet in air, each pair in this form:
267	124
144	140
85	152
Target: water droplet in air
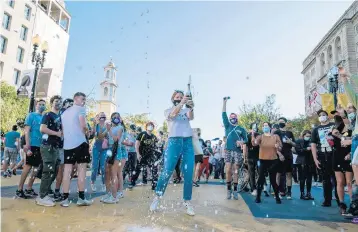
267	215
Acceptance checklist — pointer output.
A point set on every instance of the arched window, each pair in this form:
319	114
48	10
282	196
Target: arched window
330	56
323	63
105	92
338	49
107	74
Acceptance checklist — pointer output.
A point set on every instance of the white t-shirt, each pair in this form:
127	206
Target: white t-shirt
179	126
218	152
72	131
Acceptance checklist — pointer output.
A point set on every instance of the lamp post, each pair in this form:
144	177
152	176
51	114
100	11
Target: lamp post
38	59
333	83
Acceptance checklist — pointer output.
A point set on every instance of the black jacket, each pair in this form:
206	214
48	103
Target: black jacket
304	156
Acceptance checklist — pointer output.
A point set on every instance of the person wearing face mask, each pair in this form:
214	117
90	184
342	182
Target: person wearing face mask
253	157
146	155
208	152
198	144
12	145
288	141
306	165
76	148
180	146
132	155
235	148
32	150
322	153
51	139
270	145
99	149
218	152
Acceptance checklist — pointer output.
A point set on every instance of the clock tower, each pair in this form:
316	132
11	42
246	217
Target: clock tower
107	100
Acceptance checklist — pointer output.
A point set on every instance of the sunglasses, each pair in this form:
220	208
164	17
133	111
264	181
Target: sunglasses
179	91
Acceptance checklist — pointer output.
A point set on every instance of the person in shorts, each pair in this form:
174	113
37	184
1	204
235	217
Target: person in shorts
235	148
76	148
11	151
33	138
199	145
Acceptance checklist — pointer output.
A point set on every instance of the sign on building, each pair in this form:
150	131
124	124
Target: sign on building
26	83
43	81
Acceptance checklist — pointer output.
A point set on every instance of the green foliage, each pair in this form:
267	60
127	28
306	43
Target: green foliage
267	111
298	124
12	108
138	119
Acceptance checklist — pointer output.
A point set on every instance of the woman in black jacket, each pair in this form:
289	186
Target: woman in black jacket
306	165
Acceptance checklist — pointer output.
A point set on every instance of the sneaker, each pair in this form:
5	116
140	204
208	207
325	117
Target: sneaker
57	196
20	194
110	200
105	196
120	195
84	202
278	200
309	197
303	197
289	196
189	209
258	200
46	201
266	194
31	193
140	184
254	193
326	204
9	173
14	172
65	203
154	206
130	186
195	184
229	193
355	220
236	195
93	187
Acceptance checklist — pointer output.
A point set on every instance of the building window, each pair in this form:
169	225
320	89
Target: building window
330	56
11	3
23	33
27	12
1	68
3	44
323	64
20	54
107	74
6	21
16	76
105	92
338	49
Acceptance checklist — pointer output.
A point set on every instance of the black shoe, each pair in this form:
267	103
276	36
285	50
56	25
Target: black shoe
31	193
266	194
309	197
154	186
326	204
195	184
14	172
9	173
20	194
278	200
258	200
342	208
57	196
303	197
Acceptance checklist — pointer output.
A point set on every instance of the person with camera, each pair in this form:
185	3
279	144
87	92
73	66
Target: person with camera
180	145
32	150
322	152
235	148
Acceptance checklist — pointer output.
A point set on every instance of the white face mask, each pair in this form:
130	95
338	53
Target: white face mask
150	128
322	118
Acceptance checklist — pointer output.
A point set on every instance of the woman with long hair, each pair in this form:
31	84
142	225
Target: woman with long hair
180	145
306	166
270	144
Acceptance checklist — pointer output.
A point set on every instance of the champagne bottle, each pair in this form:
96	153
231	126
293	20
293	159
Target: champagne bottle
188	93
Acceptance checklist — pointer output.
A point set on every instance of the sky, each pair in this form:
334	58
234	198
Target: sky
245	50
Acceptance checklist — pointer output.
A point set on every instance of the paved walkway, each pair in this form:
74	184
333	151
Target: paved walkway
213	213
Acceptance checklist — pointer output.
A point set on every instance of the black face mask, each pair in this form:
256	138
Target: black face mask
176	102
282	125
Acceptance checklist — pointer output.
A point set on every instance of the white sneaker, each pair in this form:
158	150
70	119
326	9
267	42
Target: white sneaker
154	205
104	188
119	195
65	203
140	184
110	200
93	187
46	201
105	196
84	202
254	193
189	209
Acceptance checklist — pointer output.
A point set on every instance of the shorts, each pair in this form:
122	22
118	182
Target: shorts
285	166
122	154
35	159
61	156
78	154
234	157
198	159
10	155
342	166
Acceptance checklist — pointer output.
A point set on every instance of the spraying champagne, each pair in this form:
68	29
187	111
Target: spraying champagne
188	93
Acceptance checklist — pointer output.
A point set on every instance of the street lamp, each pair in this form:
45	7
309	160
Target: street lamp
333	83
38	60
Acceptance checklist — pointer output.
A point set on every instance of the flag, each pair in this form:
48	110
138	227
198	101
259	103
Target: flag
26	83
327	102
43	82
342	100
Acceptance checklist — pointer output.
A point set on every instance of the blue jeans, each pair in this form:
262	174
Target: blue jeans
98	158
354	145
178	147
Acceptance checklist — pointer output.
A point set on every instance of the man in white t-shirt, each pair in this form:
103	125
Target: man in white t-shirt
76	148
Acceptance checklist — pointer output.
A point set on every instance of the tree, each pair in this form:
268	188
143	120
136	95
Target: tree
301	123
12	108
267	111
164	128
138	119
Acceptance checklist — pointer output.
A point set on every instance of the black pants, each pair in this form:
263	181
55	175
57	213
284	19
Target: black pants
129	168
211	167
296	173
305	172
146	161
177	169
269	166
252	166
326	170
218	169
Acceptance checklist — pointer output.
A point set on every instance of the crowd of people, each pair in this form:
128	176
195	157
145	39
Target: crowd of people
60	143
